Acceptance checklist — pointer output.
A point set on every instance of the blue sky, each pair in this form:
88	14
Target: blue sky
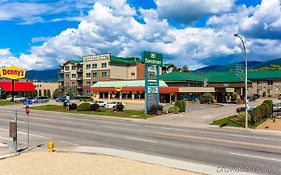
37	34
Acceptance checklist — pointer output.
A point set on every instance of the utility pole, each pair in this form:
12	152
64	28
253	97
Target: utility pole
246	80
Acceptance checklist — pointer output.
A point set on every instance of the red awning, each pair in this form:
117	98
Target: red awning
18	86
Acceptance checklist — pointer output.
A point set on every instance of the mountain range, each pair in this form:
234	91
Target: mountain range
52	74
228	67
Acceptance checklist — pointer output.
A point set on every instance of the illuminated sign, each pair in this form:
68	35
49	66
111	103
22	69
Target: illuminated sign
96	57
118	89
12	73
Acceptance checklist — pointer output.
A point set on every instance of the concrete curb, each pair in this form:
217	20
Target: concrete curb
167	162
263	131
9	156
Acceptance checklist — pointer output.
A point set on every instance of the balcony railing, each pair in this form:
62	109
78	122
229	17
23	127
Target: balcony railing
79	70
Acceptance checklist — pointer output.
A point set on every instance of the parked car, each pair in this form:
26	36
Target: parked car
17	99
113	104
101	103
40	100
61	99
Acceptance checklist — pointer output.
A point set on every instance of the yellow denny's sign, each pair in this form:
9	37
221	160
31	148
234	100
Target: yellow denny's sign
12	73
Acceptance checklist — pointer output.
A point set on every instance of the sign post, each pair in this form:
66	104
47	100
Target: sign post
152	86
27	102
13	133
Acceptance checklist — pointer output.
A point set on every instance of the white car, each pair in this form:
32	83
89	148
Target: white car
113	104
17	98
101	103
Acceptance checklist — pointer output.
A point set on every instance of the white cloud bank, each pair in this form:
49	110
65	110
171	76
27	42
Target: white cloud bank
111	26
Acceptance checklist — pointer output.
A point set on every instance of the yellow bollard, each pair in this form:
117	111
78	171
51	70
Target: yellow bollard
51	146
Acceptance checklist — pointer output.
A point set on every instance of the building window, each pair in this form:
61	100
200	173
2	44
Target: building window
94	74
73	67
89	83
259	82
103	65
67	84
103	74
73	84
88	75
88	92
66	68
94	82
133	74
269	82
268	91
94	66
73	75
151	75
88	66
67	75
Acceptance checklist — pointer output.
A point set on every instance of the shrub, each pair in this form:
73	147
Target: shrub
153	110
207	98
160	108
240	109
94	107
179	105
101	109
84	107
270	105
255	115
233	96
73	106
57	93
174	109
119	107
183	105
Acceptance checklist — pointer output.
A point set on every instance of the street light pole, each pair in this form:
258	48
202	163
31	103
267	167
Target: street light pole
246	80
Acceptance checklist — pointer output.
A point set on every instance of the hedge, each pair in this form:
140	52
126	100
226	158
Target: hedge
179	105
262	111
174	109
84	107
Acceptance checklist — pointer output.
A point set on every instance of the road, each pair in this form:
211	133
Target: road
223	148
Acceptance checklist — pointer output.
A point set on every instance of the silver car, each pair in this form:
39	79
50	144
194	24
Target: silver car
40	100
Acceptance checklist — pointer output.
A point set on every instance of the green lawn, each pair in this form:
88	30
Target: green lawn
124	114
235	121
6	102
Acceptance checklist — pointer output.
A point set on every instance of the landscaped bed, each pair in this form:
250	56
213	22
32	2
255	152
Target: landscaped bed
6	102
236	121
108	112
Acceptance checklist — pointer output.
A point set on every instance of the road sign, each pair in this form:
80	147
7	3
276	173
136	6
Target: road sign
27	102
152	58
27	110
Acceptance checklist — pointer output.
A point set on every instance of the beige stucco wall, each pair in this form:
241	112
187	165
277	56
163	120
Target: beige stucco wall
196	89
259	87
46	86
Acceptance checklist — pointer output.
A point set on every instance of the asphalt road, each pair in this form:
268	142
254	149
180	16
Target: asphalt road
229	150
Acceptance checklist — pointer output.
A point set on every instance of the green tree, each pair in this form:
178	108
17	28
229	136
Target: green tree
57	93
207	98
185	69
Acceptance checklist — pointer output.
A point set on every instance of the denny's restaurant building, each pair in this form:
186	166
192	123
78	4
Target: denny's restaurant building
130	91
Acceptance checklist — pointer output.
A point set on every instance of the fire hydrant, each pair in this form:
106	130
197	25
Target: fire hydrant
51	146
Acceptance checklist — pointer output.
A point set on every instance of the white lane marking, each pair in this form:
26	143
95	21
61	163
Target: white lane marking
139	139
167	128
3	145
256	157
24	133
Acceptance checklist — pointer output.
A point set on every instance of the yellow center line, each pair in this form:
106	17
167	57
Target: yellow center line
221	140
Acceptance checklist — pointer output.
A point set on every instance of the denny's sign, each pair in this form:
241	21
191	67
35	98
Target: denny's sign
12	73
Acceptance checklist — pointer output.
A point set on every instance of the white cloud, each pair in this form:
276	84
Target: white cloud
112	27
8	59
187	11
265	22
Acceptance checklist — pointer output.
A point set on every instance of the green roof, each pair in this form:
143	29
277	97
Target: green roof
182	76
130	60
76	61
134	83
219	77
264	74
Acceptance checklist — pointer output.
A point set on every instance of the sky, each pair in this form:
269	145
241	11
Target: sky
43	34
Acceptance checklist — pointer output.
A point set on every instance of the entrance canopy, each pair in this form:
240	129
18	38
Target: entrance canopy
18	86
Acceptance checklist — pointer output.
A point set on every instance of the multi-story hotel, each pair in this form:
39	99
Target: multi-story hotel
81	75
